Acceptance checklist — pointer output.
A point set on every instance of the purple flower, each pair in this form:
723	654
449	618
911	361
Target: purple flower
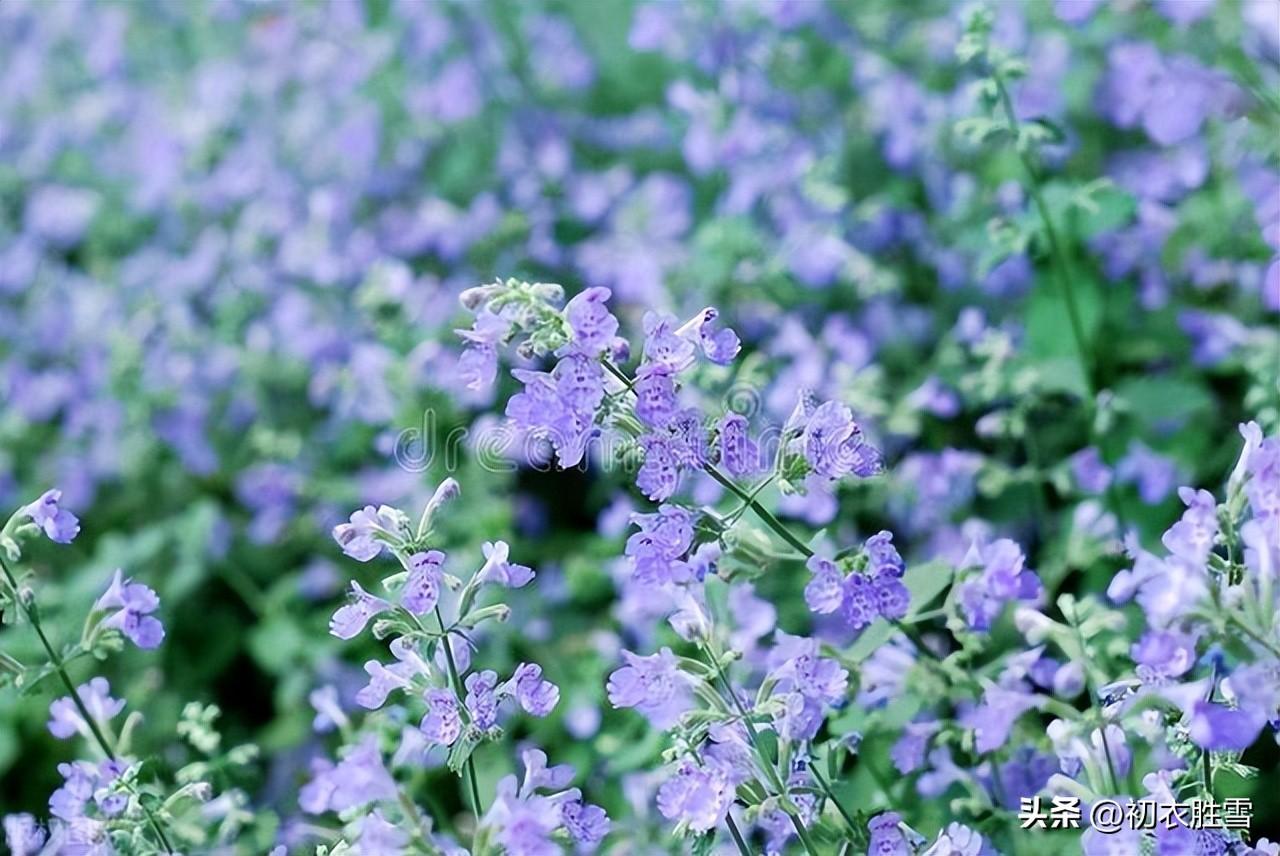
536	695
1191	538
358	779
859	601
351	618
422	587
653	685
824	593
593	325
65	719
1003	578
1163	655
478	364
23	834
659	475
886	837
833	445
664	346
1153	473
380	837
892	597
655	390
59	525
560	406
657	550
133	604
738	452
443	721
698	795
366	534
498	570
383	680
993	719
482	699
719	345
1089	471
587	824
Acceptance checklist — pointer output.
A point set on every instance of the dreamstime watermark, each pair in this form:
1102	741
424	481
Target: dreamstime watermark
498	446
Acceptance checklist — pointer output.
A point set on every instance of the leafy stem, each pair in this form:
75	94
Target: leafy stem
59	666
456	679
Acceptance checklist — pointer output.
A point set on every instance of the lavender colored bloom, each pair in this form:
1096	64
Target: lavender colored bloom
859	604
657	550
908	753
886	837
664	346
443	721
478	363
23	835
351	618
130	606
833	444
482	699
59	525
659	475
65	719
1220	728
1191	538
1089	471
1003	578
364	536
891	595
698	795
422	587
587	824
535	694
653	685
993	719
1153	473
958	839
358	779
498	570
593	325
655	390
738	452
719	345
380	837
824	593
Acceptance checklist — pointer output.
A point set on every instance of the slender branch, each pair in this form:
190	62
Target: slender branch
456	679
737	835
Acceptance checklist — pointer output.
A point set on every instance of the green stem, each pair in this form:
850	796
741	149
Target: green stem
737	835
456	679
1092	684
94	728
769	765
831	795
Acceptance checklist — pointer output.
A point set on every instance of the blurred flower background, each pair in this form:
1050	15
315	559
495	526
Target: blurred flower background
1031	248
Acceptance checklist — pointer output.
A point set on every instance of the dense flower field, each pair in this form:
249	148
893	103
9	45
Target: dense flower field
525	428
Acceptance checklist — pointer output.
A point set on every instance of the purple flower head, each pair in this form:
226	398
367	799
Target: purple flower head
887	838
993	719
351	618
1163	655
657	551
587	824
1089	471
365	536
720	345
664	346
1153	473
882	556
498	570
130	606
698	795
478	364
383	680
859	602
825	592
593	325
1192	536
482	699
1003	578
59	525
833	445
560	406
65	719
443	721
653	685
358	779
655	389
891	594
795	664
421	590
380	837
524	822
738	452
23	835
535	694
